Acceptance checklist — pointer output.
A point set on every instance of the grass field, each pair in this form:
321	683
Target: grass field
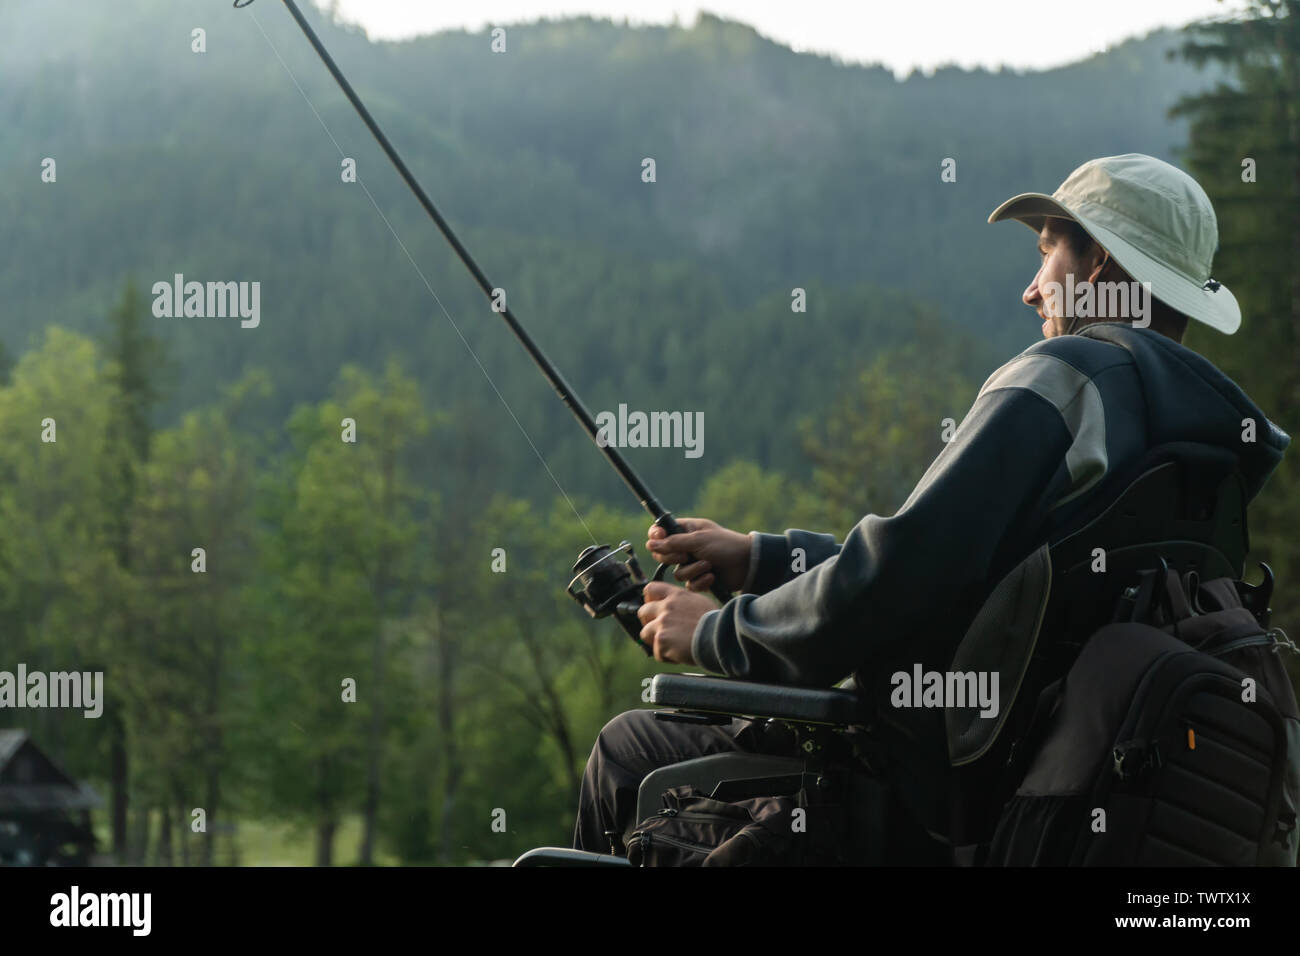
257	843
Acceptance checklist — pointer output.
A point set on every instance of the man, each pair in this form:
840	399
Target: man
1110	381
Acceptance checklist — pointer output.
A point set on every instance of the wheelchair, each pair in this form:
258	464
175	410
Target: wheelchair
1181	507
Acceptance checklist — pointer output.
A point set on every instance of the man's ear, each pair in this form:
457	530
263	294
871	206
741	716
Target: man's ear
1098	262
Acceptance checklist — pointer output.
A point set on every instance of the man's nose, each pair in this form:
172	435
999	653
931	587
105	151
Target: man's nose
1031	296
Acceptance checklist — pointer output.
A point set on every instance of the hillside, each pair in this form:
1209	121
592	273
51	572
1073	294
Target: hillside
774	170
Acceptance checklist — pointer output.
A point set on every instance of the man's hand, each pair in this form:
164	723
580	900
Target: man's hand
670	615
720	553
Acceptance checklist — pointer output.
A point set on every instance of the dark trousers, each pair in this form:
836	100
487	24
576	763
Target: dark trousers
633	744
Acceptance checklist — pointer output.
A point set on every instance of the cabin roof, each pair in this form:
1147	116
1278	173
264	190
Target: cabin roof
30	781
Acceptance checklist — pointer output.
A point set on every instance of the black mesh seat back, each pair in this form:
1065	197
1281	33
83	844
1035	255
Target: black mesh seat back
1201	498
1183	503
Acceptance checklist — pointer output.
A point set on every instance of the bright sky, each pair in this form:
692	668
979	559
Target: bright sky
902	34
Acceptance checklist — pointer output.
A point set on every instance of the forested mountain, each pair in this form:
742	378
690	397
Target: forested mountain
773	171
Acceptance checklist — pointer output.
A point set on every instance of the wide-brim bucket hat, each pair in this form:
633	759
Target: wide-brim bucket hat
1153	219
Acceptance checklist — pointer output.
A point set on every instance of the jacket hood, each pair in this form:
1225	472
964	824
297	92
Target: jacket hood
1189	399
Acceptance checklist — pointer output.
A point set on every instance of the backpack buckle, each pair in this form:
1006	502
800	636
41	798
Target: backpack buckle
1131	760
1282	829
1119	755
1255	597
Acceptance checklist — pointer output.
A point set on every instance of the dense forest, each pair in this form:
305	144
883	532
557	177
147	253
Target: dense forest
774	171
200	533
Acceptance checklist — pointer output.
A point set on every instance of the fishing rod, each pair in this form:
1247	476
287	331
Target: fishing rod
607	581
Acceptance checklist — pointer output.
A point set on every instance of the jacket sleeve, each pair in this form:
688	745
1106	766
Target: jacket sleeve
773	561
1002	470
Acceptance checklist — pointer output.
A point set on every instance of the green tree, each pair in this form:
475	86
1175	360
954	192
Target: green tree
58	576
879	437
350	521
193	616
1244	148
135	361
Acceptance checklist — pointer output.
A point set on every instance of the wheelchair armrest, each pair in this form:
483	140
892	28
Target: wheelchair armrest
718	695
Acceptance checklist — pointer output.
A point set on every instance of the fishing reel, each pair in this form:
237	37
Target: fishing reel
609	581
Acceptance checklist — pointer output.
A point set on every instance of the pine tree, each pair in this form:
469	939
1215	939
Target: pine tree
135	360
1244	148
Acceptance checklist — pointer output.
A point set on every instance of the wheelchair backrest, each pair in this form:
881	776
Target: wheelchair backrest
1182	503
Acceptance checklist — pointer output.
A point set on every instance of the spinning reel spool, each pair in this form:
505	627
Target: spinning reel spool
609	581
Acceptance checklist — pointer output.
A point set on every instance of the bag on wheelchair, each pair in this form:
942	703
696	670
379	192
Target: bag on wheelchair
811	828
1173	740
695	830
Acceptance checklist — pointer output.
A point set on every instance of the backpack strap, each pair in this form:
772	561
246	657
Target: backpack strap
1217	595
1159	599
1210	616
1027	744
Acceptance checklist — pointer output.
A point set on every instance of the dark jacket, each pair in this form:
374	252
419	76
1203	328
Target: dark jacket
1043	433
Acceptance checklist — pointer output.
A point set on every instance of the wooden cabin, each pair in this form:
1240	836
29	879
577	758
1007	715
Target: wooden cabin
44	813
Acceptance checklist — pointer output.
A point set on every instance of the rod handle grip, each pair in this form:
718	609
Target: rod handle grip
669	524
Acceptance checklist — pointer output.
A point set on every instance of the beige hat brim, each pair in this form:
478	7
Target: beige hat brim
1217	309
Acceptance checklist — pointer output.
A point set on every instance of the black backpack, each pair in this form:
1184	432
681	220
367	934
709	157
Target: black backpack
1173	740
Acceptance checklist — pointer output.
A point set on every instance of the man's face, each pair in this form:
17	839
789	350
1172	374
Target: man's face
1058	260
